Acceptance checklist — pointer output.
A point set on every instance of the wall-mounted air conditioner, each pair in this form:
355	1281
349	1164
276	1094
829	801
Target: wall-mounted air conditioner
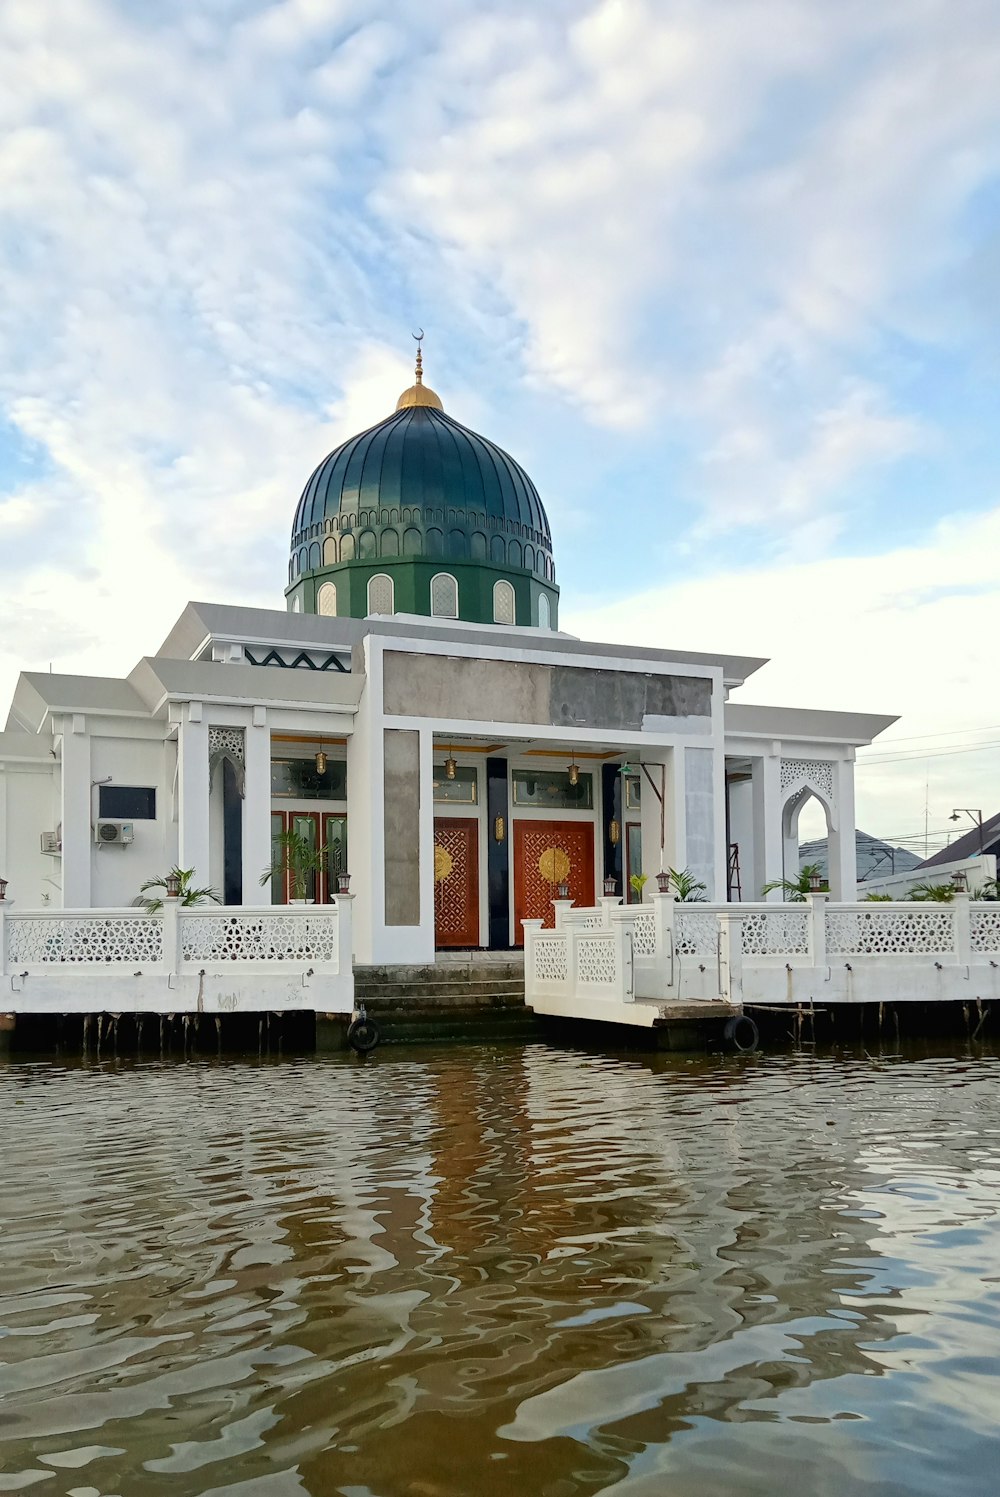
113	833
51	843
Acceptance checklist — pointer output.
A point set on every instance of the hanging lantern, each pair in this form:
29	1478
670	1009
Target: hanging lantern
563	888
610	885
343	883
574	772
321	762
614	832
663	882
450	766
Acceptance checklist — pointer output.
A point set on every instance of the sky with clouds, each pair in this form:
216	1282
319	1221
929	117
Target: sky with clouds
723	274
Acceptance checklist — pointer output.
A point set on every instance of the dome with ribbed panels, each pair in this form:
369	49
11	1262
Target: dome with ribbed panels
419	487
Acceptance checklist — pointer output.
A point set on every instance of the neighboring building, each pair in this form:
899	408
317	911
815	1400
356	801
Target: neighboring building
874	858
416	711
977	842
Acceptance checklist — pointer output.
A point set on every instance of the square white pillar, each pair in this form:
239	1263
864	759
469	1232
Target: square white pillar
77	814
256	812
193	795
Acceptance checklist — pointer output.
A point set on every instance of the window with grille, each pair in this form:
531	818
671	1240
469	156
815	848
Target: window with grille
503	603
444	596
380	594
327	599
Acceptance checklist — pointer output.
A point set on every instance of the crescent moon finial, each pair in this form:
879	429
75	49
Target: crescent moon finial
420	361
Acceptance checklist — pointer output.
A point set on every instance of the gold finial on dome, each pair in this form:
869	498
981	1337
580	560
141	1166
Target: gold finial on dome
419	393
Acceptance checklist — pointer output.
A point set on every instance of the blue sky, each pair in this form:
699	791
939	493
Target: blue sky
723	274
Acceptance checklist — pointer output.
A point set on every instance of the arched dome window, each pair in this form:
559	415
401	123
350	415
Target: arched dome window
380	594
544	616
411	542
434	542
347	548
315	557
367	545
503	603
515	554
478	543
529	558
297	604
444	596
326	600
390	543
330	551
498	550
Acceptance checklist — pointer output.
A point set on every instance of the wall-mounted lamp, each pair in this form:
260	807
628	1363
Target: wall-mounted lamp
614	832
3	890
499	829
173	884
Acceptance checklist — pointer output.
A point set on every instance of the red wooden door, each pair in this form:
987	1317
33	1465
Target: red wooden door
456	881
545	854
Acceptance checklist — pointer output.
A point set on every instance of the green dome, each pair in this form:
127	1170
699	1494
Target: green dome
421	488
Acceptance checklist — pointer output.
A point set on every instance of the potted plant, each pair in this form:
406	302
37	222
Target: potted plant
637	883
689	890
177	885
796	889
302	859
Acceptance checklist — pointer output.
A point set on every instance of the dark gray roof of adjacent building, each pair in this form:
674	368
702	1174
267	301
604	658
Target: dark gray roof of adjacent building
875	858
968	845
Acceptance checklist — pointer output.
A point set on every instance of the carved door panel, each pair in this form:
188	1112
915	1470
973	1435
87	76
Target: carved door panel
545	854
456	881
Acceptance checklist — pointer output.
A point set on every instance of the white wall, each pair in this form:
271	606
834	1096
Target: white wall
118	872
977	871
28	799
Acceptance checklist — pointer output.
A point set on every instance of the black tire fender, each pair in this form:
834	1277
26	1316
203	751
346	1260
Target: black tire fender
363	1035
741	1034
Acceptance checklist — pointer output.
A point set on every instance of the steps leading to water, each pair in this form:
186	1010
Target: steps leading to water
465	997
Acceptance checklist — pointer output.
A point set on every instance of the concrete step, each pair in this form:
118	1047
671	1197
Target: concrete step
393	1008
409	1029
443	972
472	992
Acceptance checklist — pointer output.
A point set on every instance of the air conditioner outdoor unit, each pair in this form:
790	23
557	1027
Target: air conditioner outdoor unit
117	832
51	843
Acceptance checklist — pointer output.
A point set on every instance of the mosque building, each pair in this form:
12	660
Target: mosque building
416	714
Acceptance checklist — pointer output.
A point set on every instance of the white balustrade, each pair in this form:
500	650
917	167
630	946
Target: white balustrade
224	957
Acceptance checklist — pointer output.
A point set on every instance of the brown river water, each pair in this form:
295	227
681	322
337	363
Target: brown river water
517	1270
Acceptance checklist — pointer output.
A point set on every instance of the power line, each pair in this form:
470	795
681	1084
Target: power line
948	733
917	755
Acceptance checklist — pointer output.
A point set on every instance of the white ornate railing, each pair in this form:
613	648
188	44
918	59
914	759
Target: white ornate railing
259	936
96	938
984	928
549	959
775	931
908	930
595	960
215	959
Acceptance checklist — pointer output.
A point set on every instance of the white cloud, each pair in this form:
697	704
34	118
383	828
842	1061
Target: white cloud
910	632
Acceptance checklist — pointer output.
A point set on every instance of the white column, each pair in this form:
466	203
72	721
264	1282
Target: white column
767	842
256	811
843	856
77	814
674	818
192	795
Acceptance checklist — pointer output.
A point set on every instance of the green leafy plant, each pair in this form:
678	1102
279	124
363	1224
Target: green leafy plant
687	888
878	899
796	889
928	893
989	890
300	858
637	883
187	895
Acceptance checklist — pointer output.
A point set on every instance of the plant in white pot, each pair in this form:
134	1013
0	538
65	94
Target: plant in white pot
301	859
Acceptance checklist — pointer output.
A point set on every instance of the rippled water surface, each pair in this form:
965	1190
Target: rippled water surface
514	1271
